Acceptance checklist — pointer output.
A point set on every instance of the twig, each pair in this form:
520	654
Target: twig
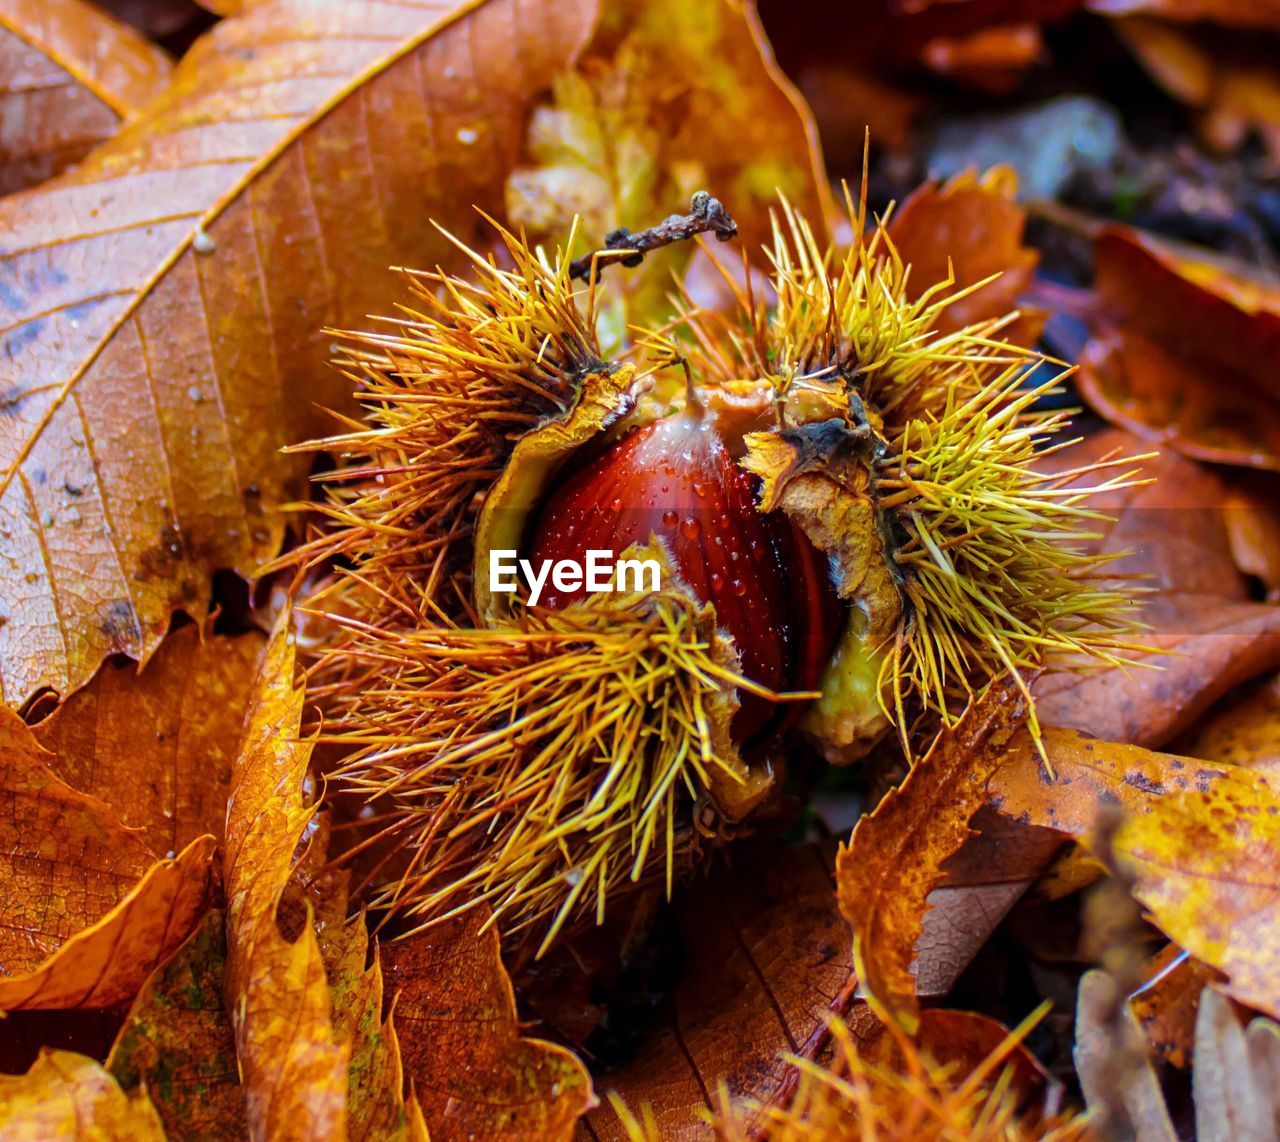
706	215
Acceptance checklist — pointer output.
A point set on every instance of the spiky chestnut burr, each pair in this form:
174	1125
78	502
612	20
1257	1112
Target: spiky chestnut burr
544	760
675	479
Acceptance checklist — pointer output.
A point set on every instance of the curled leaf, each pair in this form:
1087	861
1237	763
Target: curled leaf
107	962
86	911
1182	348
895	857
293	1065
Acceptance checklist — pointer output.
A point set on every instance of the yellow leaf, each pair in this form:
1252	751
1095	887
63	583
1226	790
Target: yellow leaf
65	1096
293	1065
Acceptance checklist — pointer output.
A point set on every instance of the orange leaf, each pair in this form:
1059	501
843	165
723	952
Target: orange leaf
161	303
1243	732
177	1042
1089	775
972	227
293	1066
65	1097
106	963
158	745
376	1107
895	857
475	1075
71	74
1200	840
85	914
1182	349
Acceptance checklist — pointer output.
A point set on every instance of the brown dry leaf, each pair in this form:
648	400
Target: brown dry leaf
1182	348
992	59
158	745
85	911
971	227
156	350
1199	609
68	75
177	1042
66	1097
1205	865
292	1064
895	857
767	957
1230	80
472	1071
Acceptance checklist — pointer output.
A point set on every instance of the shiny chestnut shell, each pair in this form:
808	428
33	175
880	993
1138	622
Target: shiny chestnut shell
676	479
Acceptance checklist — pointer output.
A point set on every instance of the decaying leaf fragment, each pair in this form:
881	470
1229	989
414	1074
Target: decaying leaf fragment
178	1045
896	854
293	1066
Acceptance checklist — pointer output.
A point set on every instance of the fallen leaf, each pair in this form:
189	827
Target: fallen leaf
688	98
1205	864
1087	777
767	957
1173	539
895	857
85	911
107	962
993	59
158	745
293	1066
1180	349
178	1045
158	351
375	1074
68	75
971	227
1166	1005
1199	841
473	1072
67	1097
